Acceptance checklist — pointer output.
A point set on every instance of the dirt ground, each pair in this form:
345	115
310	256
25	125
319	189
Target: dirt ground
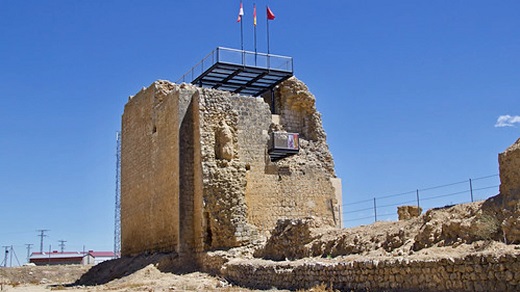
150	278
54	278
452	231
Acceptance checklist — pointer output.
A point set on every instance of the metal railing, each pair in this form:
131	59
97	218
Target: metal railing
238	57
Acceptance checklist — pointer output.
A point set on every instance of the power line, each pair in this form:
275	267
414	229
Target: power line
42	235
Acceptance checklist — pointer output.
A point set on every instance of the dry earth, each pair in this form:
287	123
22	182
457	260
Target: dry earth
452	231
149	278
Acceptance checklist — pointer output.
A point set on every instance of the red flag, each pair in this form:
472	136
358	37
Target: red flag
270	14
254	14
240	12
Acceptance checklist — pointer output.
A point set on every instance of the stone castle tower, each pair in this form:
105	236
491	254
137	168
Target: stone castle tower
197	172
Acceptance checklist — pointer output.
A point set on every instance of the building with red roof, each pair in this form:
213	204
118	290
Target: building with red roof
70	258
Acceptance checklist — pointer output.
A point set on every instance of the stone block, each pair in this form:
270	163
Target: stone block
408	212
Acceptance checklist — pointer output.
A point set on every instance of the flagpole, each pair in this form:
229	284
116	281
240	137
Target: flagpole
254	23
270	16
241	20
242	34
268	49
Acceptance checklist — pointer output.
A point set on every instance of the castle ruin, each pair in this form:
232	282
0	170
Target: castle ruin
198	171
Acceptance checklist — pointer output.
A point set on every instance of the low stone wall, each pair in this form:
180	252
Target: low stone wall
469	273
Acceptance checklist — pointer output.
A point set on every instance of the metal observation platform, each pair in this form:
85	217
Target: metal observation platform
242	72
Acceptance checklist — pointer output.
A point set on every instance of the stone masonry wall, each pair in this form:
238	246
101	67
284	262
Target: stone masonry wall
248	193
509	165
224	177
149	153
298	113
190	179
283	194
196	173
294	187
469	273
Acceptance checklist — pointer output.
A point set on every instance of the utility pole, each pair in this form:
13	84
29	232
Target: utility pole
28	245
6	255
12	252
42	235
62	245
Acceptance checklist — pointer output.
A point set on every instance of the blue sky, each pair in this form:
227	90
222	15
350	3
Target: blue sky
410	93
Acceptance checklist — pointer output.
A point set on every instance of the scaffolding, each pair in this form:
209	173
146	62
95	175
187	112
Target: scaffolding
117	213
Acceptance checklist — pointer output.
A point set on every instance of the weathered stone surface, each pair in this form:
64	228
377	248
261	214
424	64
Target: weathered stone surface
465	223
509	165
196	174
296	106
408	212
511	228
288	240
148	130
468	273
224	147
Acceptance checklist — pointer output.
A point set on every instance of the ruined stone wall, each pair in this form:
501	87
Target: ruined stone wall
283	194
149	154
160	157
190	176
296	106
224	177
304	185
470	273
509	164
294	187
246	193
196	173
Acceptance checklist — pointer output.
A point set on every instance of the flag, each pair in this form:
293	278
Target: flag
254	14
270	14
240	12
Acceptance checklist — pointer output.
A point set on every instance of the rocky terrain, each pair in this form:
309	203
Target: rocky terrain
455	232
149	278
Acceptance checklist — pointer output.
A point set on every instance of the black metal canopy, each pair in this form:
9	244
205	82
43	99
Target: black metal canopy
242	72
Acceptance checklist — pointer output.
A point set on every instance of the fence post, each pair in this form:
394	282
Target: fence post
375	211
471	190
417	194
